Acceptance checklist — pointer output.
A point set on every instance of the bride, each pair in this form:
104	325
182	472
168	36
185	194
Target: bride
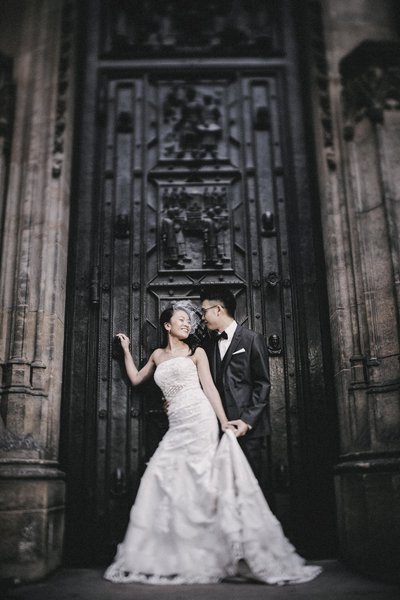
199	511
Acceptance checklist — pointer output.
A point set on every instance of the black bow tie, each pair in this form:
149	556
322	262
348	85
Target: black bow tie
222	336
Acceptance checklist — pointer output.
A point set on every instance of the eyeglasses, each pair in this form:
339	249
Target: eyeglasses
204	310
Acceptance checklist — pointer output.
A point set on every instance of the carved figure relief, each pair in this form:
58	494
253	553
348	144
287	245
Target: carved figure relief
194	226
64	74
371	83
274	345
322	81
194	123
176	27
9	441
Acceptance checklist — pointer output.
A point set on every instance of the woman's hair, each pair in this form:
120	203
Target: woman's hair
165	317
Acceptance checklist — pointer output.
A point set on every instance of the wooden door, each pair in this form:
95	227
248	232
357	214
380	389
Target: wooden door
185	179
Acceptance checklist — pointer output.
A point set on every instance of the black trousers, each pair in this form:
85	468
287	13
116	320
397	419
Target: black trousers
253	449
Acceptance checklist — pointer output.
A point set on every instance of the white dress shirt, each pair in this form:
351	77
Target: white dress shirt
224	344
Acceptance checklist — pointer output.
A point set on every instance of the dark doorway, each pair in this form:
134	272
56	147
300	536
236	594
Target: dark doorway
191	170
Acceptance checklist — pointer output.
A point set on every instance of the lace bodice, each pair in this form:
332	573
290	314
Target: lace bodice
176	375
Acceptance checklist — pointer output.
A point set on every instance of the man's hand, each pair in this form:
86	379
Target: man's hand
241	428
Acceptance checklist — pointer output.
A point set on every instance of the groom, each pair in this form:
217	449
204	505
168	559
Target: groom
239	365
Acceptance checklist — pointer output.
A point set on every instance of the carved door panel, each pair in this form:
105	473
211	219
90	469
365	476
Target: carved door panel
185	179
191	191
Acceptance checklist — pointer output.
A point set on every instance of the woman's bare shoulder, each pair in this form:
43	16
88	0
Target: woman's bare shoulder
156	355
199	353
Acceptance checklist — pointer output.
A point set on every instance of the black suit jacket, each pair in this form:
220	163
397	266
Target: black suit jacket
245	379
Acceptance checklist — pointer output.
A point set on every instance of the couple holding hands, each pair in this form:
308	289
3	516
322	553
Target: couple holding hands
200	515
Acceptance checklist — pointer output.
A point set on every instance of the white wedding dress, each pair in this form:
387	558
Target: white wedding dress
199	508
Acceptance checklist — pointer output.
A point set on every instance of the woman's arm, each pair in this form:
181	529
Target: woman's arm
134	375
203	369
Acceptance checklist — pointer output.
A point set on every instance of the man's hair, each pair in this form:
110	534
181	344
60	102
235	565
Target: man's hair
221	295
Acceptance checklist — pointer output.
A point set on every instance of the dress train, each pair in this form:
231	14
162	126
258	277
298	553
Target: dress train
199	509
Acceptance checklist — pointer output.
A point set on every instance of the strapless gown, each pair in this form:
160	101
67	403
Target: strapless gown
199	509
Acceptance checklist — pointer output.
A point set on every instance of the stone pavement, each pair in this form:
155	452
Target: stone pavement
335	583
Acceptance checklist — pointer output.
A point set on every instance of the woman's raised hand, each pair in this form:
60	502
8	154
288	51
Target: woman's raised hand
124	341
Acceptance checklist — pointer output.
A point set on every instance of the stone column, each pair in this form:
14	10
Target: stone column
356	102
6	117
368	476
32	292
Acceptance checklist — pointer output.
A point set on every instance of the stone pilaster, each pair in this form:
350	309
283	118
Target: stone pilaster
6	117
32	292
356	101
369	472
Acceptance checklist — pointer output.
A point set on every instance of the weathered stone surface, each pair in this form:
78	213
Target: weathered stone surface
32	527
360	221
33	283
369	519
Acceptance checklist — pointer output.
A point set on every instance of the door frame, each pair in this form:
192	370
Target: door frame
313	377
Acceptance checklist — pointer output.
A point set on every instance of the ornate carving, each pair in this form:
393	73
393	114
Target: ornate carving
272	279
180	27
274	345
268	224
318	53
63	84
9	441
195	123
190	214
371	83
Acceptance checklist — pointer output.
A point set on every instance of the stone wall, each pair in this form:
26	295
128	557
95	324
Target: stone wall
356	110
32	284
